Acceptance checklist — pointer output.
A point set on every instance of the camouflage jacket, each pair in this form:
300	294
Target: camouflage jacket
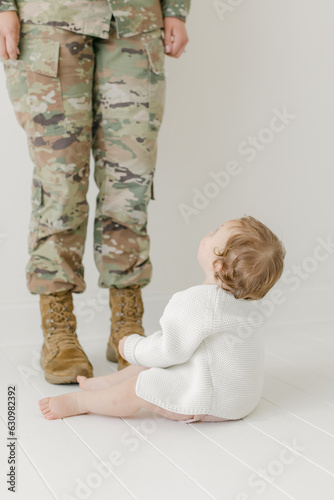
92	17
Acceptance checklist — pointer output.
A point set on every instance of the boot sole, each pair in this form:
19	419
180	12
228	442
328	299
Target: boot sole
67	379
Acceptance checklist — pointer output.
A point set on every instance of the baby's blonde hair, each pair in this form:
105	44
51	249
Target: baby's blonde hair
252	260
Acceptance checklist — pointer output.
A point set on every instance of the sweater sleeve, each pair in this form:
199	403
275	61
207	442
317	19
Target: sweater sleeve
186	321
175	8
6	5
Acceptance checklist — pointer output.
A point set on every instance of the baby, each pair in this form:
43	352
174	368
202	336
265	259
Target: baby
206	362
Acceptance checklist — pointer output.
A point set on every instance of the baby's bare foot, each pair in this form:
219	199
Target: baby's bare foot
62	406
95	383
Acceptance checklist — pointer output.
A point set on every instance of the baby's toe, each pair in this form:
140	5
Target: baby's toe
43	401
50	416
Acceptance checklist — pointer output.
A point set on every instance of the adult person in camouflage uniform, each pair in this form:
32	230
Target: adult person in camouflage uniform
89	75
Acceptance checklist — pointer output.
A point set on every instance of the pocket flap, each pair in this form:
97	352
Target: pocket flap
156	54
39	54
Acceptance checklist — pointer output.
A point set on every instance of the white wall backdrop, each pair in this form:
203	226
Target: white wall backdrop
248	129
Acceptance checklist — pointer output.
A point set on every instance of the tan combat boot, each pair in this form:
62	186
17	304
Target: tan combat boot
127	311
62	357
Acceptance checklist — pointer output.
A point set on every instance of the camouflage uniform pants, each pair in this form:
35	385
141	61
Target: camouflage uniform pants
74	93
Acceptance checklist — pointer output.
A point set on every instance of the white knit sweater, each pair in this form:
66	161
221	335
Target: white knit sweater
208	356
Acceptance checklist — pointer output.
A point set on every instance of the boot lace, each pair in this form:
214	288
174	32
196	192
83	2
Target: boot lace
128	309
61	325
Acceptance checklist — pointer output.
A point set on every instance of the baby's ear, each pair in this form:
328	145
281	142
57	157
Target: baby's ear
218	265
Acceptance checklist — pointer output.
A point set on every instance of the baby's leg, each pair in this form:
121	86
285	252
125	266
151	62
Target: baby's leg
105	381
158	410
120	400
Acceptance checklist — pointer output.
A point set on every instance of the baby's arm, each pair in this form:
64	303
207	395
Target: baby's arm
184	325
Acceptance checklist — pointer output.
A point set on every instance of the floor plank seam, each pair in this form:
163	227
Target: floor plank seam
291	449
291	384
311	371
248	466
21	447
300	418
77	435
175	465
298	389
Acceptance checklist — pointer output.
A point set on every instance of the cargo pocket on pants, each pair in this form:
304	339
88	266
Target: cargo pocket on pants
157	81
40	57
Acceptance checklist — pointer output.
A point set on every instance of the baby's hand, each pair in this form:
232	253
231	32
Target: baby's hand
121	345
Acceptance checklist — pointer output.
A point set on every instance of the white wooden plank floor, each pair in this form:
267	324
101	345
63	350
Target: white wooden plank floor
284	449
